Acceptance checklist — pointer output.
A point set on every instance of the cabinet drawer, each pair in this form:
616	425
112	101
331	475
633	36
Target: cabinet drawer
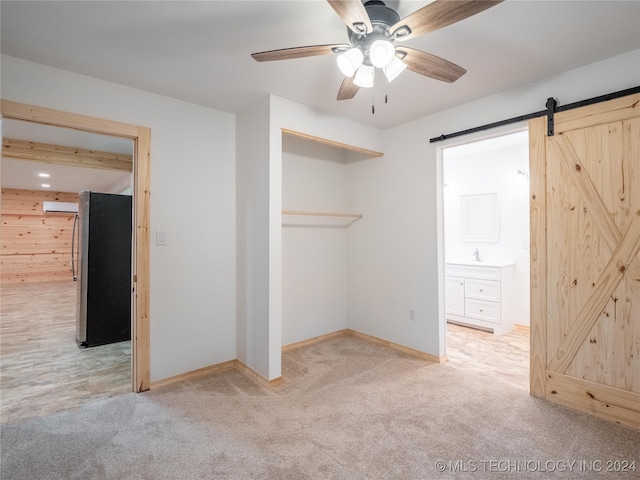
482	289
481	310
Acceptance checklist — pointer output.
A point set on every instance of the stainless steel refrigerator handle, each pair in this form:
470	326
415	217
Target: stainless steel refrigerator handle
73	242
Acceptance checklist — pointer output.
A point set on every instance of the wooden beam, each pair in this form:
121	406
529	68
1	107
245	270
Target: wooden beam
69	156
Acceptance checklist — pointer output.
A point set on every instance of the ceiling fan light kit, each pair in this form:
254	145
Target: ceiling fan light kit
372	28
350	61
395	68
364	76
381	53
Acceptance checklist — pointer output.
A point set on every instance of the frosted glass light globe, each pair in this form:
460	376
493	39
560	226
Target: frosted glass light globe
349	61
364	76
381	53
395	68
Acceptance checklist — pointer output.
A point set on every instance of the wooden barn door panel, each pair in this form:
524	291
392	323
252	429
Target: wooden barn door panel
585	229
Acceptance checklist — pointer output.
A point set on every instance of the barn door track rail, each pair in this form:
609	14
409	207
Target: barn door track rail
551	109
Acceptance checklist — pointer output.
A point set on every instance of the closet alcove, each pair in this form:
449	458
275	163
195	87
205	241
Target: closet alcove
318	213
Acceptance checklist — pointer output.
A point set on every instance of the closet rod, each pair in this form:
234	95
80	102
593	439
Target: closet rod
322	214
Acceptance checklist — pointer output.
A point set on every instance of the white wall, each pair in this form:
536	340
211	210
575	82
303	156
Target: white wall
314	249
485	169
192	199
398	262
389	269
252	210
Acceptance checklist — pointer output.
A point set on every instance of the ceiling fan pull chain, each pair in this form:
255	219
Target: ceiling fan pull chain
373	101
386	90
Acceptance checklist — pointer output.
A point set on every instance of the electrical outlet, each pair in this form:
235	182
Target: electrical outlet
412	315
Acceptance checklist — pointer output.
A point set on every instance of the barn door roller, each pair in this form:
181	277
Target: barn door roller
551	109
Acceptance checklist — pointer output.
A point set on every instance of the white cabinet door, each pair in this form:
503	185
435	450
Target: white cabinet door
454	295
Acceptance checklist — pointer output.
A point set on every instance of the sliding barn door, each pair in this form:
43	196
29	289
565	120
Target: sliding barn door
585	260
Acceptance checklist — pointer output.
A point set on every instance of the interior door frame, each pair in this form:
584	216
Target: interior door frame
501	131
141	136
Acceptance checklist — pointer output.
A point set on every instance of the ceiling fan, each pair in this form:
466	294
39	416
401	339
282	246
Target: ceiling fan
373	28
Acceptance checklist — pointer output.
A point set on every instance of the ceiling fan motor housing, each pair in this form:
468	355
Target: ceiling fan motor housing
382	18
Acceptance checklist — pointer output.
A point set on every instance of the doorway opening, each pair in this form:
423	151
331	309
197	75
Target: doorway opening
485	185
140	137
43	370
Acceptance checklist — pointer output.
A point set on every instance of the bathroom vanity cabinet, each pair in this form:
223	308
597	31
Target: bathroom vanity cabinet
480	294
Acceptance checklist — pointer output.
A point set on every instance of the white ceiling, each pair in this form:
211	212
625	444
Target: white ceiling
199	51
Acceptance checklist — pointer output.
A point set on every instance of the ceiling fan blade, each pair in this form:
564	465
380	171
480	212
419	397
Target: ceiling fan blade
297	52
429	65
348	89
438	14
353	14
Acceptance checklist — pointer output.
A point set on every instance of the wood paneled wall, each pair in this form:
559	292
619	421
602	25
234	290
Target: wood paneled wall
35	247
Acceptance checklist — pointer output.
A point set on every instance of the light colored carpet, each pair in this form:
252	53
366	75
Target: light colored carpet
347	409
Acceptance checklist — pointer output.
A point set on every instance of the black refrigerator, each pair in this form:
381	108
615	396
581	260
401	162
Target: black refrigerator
101	266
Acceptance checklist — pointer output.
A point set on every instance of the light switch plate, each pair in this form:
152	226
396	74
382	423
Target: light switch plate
161	238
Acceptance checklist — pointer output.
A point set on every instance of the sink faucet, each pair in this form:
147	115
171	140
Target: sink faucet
477	255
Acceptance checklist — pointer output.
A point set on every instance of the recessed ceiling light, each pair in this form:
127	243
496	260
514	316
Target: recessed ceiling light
45	185
44	175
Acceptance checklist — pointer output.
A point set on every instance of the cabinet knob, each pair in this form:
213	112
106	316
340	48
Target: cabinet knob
481	310
481	290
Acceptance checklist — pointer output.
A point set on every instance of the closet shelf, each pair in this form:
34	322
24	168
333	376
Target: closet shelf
322	214
329	219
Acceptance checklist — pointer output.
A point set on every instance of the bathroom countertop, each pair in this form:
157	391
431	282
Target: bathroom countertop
496	262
